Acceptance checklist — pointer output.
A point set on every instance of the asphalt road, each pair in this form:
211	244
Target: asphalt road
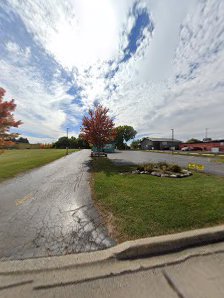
140	157
49	211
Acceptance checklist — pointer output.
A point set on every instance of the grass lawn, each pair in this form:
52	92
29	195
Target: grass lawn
221	159
136	206
187	153
13	162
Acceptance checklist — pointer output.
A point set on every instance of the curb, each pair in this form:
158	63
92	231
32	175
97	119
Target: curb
147	247
172	243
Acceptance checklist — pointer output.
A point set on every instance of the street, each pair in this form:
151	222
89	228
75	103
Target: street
49	211
139	157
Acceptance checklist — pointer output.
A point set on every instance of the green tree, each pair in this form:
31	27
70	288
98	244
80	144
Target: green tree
82	144
72	143
62	143
135	144
22	140
124	134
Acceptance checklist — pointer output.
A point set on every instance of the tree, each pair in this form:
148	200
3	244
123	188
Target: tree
193	141
20	140
124	134
72	143
135	144
98	128
7	120
62	143
82	144
46	146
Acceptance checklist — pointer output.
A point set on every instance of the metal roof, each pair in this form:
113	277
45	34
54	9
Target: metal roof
162	140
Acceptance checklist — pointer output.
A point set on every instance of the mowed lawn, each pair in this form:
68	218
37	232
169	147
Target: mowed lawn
136	206
13	162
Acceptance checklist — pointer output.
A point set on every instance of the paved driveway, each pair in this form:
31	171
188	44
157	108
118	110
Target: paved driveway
139	157
49	211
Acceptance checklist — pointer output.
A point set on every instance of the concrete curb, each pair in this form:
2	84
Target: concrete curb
168	244
147	247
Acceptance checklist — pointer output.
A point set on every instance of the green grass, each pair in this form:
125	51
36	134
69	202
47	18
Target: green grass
221	159
13	162
144	206
200	154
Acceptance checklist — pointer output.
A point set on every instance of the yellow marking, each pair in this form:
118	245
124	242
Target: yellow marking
191	166
24	199
200	167
195	166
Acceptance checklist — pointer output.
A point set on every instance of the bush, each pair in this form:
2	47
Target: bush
140	168
149	167
175	168
160	166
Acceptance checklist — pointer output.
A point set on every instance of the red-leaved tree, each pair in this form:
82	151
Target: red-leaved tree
7	120
98	128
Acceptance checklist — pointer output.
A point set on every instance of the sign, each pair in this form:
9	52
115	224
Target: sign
200	167
215	150
195	166
191	166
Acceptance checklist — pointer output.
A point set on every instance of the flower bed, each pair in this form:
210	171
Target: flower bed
162	169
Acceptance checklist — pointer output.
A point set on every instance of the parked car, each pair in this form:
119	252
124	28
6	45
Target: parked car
98	154
185	149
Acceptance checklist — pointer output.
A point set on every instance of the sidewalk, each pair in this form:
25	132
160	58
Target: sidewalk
193	272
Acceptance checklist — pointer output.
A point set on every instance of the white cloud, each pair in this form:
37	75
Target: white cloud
76	33
174	80
36	107
149	98
17	54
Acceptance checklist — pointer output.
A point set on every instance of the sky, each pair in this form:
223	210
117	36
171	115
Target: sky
156	65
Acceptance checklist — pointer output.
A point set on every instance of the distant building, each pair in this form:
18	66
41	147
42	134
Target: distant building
206	145
159	144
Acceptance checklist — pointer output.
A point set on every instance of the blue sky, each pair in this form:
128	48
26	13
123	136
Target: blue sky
155	64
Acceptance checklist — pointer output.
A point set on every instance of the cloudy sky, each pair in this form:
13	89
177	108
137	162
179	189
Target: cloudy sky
155	64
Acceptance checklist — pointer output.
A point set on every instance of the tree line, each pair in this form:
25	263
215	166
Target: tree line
120	136
72	143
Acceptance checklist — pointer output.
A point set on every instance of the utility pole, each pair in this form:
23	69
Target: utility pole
172	129
206	133
67	140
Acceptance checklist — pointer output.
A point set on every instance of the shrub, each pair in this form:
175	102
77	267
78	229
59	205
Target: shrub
149	167
175	168
160	166
140	168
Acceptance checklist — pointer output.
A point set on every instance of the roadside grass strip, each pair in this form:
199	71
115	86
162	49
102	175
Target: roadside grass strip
13	162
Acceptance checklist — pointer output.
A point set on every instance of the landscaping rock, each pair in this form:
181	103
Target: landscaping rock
164	174
136	172
173	176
